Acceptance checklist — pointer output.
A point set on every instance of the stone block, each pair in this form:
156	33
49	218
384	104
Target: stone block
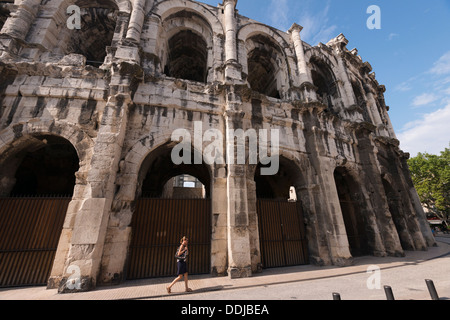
88	222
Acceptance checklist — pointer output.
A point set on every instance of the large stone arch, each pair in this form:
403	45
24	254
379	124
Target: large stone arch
164	151
321	54
94	37
164	9
18	140
252	29
194	29
261	46
131	164
13	136
188	45
133	170
356	223
15	139
132	173
266	192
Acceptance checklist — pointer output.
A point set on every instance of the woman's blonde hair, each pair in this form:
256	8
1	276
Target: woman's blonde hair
184	238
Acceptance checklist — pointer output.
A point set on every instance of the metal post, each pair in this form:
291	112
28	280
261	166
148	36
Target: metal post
432	290
336	296
389	293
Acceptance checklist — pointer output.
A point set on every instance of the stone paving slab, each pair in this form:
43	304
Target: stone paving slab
151	289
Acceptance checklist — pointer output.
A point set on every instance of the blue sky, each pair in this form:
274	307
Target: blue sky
410	54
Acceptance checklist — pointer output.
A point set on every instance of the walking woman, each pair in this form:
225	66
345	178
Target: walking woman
182	254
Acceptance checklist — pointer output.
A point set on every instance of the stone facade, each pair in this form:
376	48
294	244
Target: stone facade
138	70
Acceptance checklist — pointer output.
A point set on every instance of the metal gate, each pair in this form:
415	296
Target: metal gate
29	234
157	227
281	233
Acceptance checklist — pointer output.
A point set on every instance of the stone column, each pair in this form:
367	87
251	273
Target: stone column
304	73
349	98
219	243
232	68
136	21
239	257
20	22
373	109
376	201
388	126
305	78
325	218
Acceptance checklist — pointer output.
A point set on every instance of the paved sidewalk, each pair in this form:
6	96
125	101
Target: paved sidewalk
154	289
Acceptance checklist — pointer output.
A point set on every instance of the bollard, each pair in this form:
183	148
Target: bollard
389	293
432	290
336	296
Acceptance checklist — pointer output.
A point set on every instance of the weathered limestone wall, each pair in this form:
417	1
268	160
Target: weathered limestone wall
328	108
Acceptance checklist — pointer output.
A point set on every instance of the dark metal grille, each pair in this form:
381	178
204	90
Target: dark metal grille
157	227
282	234
29	234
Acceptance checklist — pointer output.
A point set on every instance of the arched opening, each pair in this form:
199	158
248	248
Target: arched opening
265	67
37	184
281	224
187	57
278	186
48	169
325	81
350	207
158	168
184	187
98	22
395	207
4	12
164	215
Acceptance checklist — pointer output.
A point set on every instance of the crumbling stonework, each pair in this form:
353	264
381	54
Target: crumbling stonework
138	70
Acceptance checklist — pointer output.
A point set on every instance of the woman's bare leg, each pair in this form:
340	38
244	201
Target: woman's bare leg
186	283
173	282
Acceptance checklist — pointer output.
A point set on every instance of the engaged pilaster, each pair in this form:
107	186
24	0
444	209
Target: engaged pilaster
91	221
239	257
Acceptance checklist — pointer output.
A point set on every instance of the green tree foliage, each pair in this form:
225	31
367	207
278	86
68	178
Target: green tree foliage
431	177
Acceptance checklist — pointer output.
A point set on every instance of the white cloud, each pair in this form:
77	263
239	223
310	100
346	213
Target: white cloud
403	87
316	26
279	14
424	99
447	91
429	134
392	36
442	66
